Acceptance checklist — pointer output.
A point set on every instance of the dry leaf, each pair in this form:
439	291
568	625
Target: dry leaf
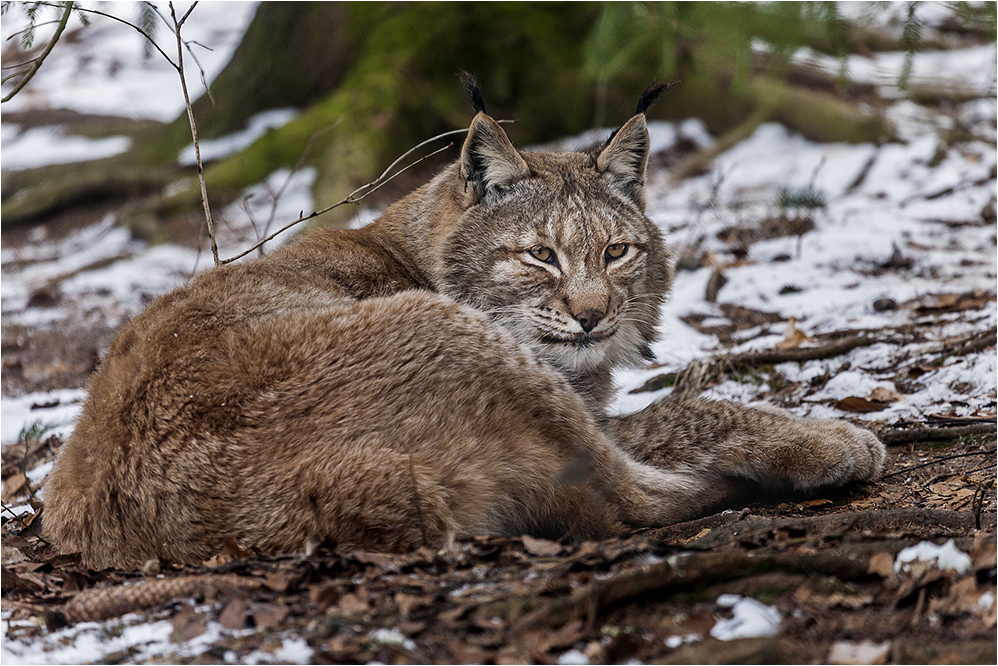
860	405
233	616
230	552
881	394
882	564
793	337
13	486
269	615
541	547
354	602
187	624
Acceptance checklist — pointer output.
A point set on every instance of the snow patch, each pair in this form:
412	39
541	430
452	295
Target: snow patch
258	125
752	619
945	557
44	146
573	658
55	411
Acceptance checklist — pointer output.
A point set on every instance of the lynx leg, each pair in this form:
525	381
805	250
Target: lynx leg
767	446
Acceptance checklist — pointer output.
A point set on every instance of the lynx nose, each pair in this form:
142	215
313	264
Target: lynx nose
589	318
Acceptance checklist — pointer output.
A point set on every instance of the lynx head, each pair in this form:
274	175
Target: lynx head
556	246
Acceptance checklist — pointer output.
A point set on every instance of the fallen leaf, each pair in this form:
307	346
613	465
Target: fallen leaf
541	547
229	553
13	485
793	337
882	564
276	581
354	602
269	615
816	502
408	602
187	624
859	405
233	616
881	394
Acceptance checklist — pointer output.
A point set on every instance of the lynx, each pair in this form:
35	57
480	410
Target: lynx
438	374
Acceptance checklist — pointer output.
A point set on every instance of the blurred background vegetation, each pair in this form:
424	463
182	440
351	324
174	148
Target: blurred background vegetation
374	79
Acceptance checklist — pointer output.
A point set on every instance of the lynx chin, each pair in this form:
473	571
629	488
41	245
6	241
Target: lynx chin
438	374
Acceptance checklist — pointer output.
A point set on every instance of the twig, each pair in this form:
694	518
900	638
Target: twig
939	460
24	524
120	20
194	129
63	20
722	365
20	64
276	196
929	434
371	187
351	198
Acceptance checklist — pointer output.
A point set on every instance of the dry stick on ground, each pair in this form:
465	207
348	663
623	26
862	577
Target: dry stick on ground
724	365
727	529
23	524
895	437
850	562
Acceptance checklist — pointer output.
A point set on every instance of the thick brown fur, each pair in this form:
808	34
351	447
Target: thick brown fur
438	374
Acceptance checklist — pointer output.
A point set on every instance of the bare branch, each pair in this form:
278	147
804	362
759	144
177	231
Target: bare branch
23	524
120	20
188	13
19	65
374	186
194	134
63	20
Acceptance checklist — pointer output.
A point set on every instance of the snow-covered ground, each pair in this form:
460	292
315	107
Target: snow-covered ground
903	221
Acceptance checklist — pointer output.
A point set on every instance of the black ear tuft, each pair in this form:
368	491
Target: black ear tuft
648	97
474	92
651	93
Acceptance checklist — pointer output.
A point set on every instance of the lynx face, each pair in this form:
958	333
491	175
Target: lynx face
564	260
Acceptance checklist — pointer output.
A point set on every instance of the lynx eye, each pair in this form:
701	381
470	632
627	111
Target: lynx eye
616	251
544	254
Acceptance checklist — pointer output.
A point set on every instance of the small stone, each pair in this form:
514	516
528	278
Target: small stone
714	284
884	304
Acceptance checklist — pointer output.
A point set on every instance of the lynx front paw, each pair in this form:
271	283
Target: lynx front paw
868	452
853	454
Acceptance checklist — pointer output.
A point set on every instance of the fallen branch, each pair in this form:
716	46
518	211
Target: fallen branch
687	569
731	529
719	366
895	437
847	562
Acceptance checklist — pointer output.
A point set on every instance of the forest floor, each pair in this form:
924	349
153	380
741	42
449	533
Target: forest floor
835	281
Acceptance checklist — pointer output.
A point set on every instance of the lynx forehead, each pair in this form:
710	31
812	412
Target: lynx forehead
438	374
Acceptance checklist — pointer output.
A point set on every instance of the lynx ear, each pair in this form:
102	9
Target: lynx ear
488	160
625	157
